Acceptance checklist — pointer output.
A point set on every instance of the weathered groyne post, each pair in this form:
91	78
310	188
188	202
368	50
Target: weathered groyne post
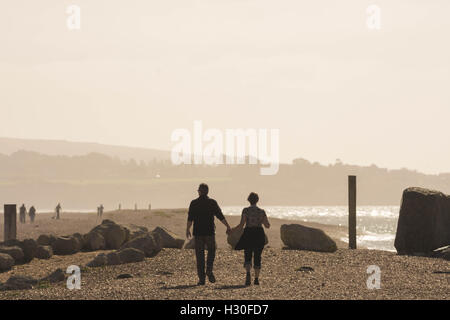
352	212
10	219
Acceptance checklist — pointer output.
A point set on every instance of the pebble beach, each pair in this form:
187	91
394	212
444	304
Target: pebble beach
286	274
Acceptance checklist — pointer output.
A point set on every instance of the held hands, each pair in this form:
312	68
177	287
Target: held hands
228	230
236	228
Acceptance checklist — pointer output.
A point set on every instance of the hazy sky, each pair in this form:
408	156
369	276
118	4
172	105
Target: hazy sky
137	70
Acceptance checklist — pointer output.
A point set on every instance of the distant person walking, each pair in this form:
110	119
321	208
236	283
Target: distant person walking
22	213
58	211
201	213
32	214
100	211
253	239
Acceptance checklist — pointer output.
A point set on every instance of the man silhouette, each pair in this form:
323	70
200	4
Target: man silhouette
100	211
32	213
22	213
58	210
202	212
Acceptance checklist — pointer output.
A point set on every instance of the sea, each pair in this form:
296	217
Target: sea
376	225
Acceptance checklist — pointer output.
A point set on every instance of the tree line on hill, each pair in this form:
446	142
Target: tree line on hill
85	181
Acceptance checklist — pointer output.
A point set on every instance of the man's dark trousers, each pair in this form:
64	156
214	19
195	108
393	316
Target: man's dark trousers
200	243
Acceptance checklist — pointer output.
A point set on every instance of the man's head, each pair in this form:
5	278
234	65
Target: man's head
253	198
203	189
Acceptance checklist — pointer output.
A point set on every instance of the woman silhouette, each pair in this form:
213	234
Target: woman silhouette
253	239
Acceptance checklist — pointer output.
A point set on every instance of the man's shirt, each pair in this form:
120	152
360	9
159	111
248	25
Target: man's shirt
202	211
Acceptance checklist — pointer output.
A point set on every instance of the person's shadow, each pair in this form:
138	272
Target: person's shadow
179	287
190	286
230	287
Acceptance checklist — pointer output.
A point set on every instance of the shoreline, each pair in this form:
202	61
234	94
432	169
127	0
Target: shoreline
172	219
369	236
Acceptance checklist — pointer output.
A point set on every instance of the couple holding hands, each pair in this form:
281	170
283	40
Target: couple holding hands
201	214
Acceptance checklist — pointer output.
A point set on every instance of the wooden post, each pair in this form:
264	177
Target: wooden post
10	218
352	212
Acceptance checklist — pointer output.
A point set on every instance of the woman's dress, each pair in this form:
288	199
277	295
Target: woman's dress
253	236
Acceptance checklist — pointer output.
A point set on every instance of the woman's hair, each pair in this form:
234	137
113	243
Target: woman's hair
253	198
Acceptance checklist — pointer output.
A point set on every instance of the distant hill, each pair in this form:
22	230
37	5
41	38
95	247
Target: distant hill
68	148
85	181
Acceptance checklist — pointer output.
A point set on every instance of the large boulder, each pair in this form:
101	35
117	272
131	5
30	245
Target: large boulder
15	252
424	221
94	241
66	245
98	261
169	239
113	258
19	283
128	255
115	235
149	244
158	240
6	262
136	231
80	238
46	239
28	246
297	236
44	252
